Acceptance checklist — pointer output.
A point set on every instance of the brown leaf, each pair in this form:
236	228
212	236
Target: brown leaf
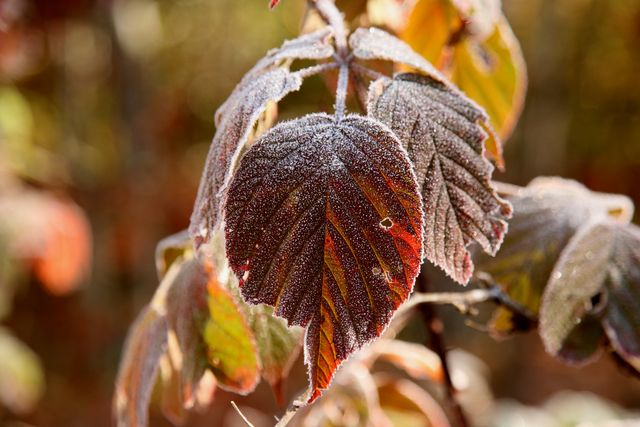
439	128
143	349
228	143
324	222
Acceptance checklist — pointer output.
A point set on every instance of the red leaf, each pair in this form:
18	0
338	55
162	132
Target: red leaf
324	222
273	3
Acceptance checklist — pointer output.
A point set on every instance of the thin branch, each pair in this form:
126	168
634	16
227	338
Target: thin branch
341	91
436	342
486	282
366	71
241	414
316	69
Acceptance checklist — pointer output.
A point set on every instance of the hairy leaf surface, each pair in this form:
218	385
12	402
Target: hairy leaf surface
229	141
603	261
323	222
372	43
547	213
439	128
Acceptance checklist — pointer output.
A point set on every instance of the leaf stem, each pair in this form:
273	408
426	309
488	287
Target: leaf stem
436	342
316	69
244	418
341	91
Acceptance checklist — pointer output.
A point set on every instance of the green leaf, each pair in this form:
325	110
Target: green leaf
278	346
231	346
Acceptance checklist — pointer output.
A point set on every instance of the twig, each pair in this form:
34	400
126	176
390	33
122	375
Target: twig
366	71
316	69
436	342
241	414
341	91
486	282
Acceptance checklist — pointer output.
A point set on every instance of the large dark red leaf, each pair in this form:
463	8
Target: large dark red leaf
440	129
324	222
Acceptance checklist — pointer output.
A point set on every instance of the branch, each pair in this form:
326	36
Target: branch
341	91
316	69
436	342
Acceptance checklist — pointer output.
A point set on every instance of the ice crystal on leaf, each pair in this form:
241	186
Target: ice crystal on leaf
440	129
372	43
303	231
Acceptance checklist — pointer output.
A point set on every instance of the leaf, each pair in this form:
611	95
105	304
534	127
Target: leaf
601	262
576	279
407	404
416	360
547	213
23	382
273	3
231	347
187	313
439	128
472	43
316	45
324	222
372	43
171	249
228	143
278	346
143	349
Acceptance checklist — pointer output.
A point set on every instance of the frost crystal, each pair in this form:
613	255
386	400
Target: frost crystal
303	220
439	128
372	43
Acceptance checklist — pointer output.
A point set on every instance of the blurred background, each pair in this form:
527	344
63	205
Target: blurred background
106	115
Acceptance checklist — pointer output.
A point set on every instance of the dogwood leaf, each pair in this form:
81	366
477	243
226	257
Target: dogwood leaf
324	222
439	128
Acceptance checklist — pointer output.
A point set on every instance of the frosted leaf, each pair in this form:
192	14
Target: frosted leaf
316	45
303	232
439	128
546	214
600	266
372	43
230	138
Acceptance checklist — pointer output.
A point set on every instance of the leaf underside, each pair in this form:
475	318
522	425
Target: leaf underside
323	222
375	44
547	213
601	260
439	128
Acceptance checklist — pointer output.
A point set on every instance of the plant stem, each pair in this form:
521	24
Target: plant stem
341	91
316	69
436	342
